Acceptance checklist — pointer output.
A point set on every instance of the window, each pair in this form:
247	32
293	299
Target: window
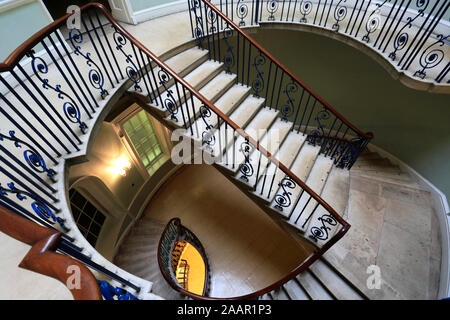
145	141
87	217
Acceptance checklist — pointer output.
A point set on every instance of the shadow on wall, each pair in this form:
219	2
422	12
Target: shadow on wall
410	124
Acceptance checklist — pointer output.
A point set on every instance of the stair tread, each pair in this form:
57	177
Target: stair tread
232	98
197	78
286	155
316	181
315	290
271	141
211	91
295	291
224	137
334	282
183	60
263	118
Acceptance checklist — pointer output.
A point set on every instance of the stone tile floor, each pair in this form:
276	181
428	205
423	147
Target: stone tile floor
393	227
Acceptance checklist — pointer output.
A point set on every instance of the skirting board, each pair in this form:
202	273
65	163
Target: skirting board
442	211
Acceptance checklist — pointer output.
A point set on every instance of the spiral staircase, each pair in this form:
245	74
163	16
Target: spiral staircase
294	163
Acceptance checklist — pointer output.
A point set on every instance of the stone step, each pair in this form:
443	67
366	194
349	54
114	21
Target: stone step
336	194
287	154
271	142
192	113
295	290
225	136
171	98
314	288
186	61
316	181
336	283
263	119
286	197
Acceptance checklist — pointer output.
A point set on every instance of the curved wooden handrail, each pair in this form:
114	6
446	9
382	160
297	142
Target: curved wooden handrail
300	268
367	135
42	257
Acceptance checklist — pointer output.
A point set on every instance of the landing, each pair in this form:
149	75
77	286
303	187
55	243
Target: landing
246	249
393	227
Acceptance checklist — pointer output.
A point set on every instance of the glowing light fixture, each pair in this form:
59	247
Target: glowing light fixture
122	166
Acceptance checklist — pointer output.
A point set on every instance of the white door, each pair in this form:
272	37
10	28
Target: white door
122	11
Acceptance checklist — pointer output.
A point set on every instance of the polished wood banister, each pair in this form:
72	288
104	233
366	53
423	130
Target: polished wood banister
368	135
42	257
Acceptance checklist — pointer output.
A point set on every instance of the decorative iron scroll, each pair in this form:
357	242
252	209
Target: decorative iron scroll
95	75
132	70
321	233
283	199
70	107
41	207
110	292
246	168
32	157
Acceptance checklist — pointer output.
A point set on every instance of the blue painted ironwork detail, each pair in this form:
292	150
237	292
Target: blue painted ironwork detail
229	59
272	7
95	74
39	205
283	199
431	57
170	103
321	233
241	11
373	22
346	153
258	83
340	12
131	70
246	167
305	8
208	134
288	108
71	109
32	157
109	292
199	31
402	37
318	134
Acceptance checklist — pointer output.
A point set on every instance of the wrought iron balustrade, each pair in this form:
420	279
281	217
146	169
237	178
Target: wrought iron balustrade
413	35
269	79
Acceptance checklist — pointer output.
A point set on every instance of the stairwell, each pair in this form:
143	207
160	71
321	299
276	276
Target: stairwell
280	198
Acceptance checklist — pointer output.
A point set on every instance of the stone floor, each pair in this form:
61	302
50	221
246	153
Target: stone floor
393	227
247	250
